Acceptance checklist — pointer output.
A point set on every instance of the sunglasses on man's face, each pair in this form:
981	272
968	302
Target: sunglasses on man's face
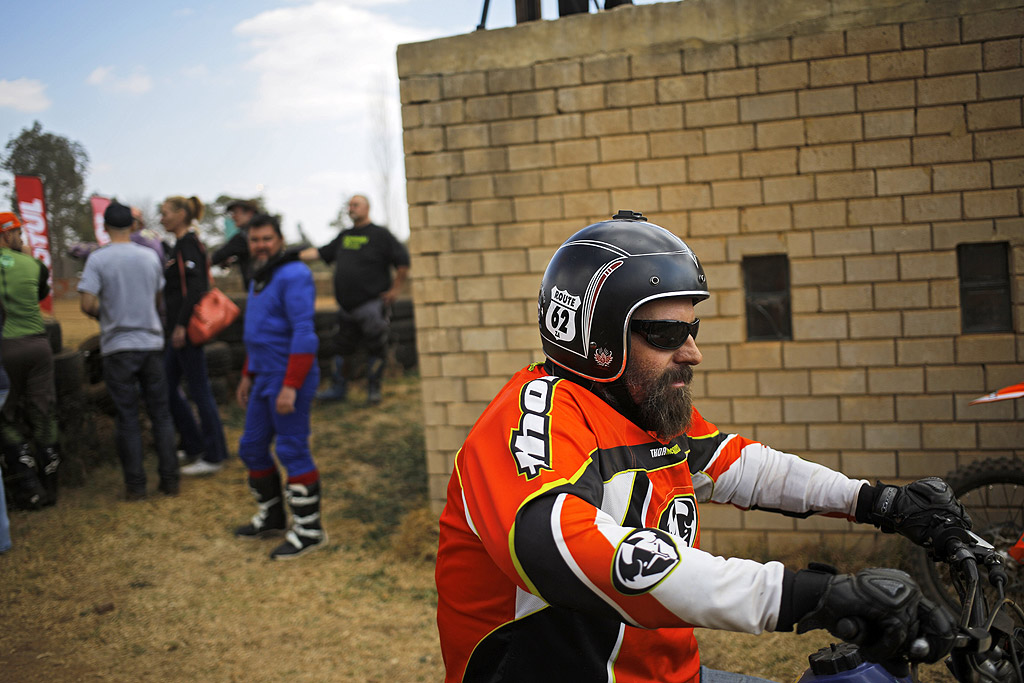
665	334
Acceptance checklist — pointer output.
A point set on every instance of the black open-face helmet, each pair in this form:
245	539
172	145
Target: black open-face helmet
598	278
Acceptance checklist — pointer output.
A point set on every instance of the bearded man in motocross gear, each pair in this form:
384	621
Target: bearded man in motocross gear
570	540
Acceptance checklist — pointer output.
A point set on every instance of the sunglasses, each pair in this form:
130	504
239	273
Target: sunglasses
665	334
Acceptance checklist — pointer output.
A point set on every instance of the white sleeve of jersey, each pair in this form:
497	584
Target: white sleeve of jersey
766	478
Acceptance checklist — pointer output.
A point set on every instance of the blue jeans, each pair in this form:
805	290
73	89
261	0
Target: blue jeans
716	676
190	362
126	373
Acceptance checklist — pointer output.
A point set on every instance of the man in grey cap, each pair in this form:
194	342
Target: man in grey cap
236	250
121	286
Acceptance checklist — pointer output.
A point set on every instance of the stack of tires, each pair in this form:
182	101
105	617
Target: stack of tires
401	341
77	432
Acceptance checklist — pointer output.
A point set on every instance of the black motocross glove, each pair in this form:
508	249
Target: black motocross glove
882	611
912	510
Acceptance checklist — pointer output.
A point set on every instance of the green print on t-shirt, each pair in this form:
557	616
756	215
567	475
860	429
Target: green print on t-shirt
354	242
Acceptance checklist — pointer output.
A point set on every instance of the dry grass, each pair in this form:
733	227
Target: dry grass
101	589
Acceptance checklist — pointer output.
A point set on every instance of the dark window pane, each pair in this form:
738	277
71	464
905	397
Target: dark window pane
985	304
766	280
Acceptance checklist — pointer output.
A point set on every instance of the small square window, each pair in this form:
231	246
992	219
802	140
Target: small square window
985	304
769	311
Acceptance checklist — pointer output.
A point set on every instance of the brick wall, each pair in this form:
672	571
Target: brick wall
864	139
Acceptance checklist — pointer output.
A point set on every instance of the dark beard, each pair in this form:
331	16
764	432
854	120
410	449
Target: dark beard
666	410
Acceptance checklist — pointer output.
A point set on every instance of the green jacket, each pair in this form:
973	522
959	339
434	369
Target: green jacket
23	284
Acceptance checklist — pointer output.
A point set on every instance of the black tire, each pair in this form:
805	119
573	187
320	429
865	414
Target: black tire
68	372
233	333
90	349
403	331
406	355
325	321
218	359
54	335
98	398
992	490
401	309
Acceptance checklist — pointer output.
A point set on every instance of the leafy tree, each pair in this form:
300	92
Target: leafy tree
62	165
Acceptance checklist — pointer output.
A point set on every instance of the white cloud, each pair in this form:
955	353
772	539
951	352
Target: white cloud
323	60
136	83
24	94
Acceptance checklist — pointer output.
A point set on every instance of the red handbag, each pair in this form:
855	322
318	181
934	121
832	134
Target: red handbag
213	314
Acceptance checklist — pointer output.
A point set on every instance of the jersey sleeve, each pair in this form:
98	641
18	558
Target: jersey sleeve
302	349
534	502
729	468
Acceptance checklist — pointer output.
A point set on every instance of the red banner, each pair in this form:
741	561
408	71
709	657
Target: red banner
36	234
99	205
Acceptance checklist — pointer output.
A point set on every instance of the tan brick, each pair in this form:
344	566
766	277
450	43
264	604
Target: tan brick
819	326
826	158
1000	84
972	176
645	198
514	132
838	185
952	378
661	172
954	59
685	197
568	179
631	93
931	323
846	297
936	149
787	189
1002	54
474	238
537	103
925	266
809	410
895	380
886	95
522	157
731	384
924	409
890	66
453	264
580	98
992	436
434	190
757	410
838	382
839	71
613	175
510	80
517	184
714	222
485	211
714	167
818	45
464	85
871	268
560	127
557	74
763	52
889	124
869	353
420	89
991	203
934	207
915	179
477	161
874	211
931	32
826	101
450	214
442	113
736	193
997	114
780	134
768	107
766	218
847	241
605	68
926	351
949	436
489	108
793	76
587	204
999	145
783	383
826	129
677	143
420	140
989	25
873	39
819	215
892	436
712	113
946	119
681	88
799	354
986	348
731	83
865	409
709	57
521	235
658	117
874	325
623	147
537	208
901	295
882	153
1008	173
728	139
768	163
645	65
469	187
947	89
609	122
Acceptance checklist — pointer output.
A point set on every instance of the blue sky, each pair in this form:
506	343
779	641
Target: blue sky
282	98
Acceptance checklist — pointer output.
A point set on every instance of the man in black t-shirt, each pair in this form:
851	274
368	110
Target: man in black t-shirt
363	257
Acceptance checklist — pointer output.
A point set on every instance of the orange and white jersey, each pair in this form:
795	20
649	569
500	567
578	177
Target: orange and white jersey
570	540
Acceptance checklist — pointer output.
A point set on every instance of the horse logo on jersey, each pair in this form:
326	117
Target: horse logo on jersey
680	518
530	444
561	315
643	559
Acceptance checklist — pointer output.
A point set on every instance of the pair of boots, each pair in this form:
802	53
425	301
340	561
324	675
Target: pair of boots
338	391
307	532
34	478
